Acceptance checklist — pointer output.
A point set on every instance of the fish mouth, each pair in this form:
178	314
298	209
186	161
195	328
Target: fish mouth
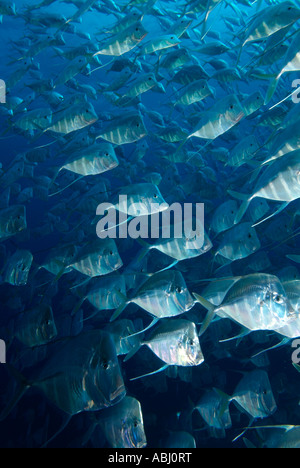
119	264
291	313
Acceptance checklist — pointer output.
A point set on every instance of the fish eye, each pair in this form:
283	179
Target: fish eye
249	235
179	290
105	365
278	298
137	125
111	252
135	423
231	107
155	195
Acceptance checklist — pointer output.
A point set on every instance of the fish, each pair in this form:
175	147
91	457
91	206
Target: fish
91	382
238	242
240	303
18	268
219	119
164	294
124	41
123	424
72	119
175	342
271	20
124	129
149	224
98	258
253	395
279	182
210	407
35	327
12	221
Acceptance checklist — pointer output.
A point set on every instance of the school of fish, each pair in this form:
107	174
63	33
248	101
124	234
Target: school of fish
166	342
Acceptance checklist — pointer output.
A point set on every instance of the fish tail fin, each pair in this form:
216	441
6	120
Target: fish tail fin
210	314
60	274
240	49
120	309
145	249
77	307
244	206
181	145
23	385
132	352
272	88
226	399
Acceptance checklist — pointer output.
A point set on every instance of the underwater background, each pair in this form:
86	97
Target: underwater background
172	100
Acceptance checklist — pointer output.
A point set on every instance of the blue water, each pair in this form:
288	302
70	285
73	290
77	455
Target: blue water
167	398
